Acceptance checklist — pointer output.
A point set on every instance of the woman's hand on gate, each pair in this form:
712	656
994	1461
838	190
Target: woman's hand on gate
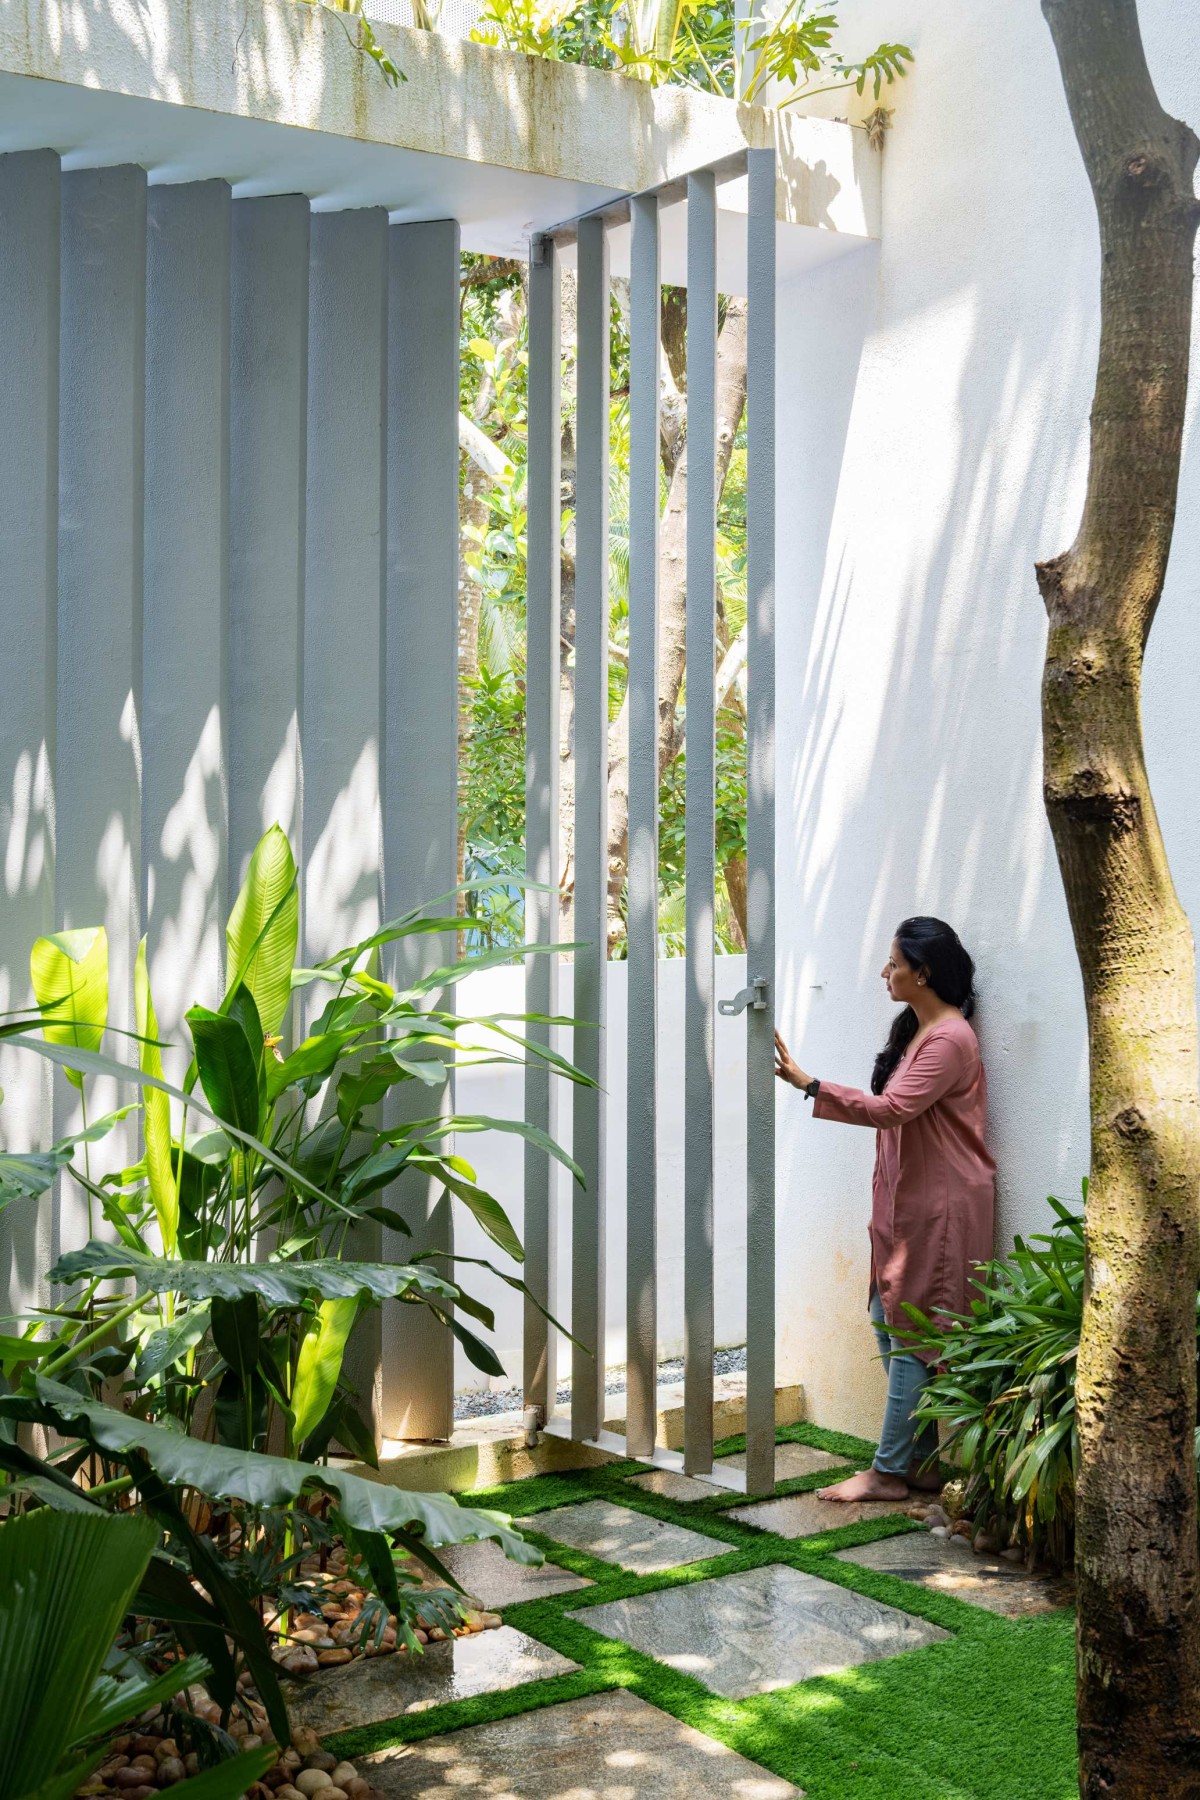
786	1068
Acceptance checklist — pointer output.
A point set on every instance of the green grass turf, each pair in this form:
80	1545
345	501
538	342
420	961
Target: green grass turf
987	1714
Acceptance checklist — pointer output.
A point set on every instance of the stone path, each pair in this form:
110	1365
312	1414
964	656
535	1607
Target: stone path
768	1628
371	1689
950	1566
740	1635
610	1747
617	1535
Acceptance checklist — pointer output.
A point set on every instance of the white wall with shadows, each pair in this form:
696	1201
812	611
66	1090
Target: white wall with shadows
933	407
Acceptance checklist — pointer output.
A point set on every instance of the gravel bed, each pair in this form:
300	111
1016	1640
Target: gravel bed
478	1403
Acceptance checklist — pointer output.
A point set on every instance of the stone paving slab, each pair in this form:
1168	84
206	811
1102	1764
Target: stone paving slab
372	1688
616	1534
793	1460
950	1566
767	1628
492	1579
608	1747
803	1515
670	1484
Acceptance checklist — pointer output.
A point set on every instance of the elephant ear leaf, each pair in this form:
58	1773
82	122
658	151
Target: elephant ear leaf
157	1111
264	929
69	973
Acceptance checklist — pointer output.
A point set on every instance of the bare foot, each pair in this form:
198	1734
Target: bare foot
870	1485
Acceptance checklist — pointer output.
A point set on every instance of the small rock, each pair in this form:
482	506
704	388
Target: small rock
1014	1554
939	1531
355	1789
492	1621
343	1773
166	1747
937	1515
252	1741
121	1744
191	1763
962	1528
140	1793
131	1776
918	1511
143	1746
171	1769
303	1743
288	1792
329	1659
320	1759
311	1781
300	1661
983	1545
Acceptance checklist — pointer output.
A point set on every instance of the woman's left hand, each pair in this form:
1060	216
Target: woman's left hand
787	1069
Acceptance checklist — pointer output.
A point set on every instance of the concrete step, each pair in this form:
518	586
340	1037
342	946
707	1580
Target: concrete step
487	1451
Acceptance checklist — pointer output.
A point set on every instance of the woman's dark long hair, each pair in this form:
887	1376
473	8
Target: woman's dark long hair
934	946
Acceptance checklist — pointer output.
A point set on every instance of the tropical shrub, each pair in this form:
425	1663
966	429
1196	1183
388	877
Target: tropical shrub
217	1312
1004	1391
64	1689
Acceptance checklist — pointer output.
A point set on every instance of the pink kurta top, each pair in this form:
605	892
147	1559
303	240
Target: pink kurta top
933	1190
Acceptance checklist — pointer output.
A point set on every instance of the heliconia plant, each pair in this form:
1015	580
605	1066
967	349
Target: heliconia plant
220	1300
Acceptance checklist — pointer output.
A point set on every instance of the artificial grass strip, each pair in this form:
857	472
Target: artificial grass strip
984	1714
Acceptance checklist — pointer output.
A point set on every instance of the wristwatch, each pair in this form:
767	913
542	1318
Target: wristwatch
811	1091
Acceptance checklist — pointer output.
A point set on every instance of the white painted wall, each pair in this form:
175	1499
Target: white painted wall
497	1092
934	396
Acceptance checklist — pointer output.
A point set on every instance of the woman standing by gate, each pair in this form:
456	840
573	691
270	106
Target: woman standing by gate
933	1190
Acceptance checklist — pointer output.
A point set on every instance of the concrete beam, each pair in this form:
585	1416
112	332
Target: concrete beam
277	98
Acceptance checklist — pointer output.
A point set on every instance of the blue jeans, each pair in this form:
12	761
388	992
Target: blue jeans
899	1443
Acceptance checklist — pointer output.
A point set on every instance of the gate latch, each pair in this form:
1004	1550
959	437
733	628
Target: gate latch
754	996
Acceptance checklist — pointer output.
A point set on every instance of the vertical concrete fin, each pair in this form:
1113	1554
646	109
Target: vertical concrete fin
267	473
102	386
344	529
29	300
420	681
185	823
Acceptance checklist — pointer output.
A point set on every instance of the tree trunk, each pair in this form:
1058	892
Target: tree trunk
1136	1556
731	400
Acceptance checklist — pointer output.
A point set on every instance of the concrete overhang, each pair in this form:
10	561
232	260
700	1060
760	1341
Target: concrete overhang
275	97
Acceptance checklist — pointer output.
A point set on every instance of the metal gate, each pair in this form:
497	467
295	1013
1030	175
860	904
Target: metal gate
590	234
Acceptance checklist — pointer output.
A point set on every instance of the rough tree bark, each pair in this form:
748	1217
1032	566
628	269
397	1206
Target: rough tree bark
731	400
1139	1606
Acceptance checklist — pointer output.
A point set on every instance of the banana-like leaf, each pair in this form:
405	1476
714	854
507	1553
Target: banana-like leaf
91	1063
264	929
157	1117
319	1364
484	1208
67	1581
277	1283
222	1473
457	1124
69	972
228	1073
